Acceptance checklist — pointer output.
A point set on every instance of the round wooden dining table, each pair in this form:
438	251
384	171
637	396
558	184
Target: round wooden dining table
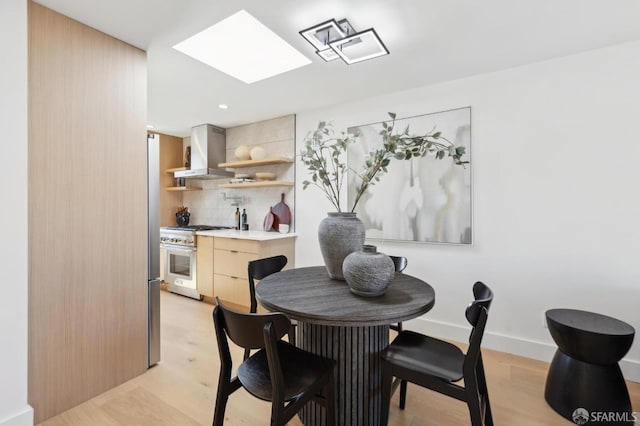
351	329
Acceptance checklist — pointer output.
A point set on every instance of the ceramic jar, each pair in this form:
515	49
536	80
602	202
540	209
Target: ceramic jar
242	153
257	153
368	273
339	234
182	218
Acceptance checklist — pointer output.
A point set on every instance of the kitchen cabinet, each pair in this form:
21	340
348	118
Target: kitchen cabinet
204	265
222	264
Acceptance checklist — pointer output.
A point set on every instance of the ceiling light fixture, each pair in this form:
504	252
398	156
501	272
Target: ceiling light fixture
223	106
244	48
337	39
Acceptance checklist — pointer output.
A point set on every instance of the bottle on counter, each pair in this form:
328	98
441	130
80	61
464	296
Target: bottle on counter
237	221
245	225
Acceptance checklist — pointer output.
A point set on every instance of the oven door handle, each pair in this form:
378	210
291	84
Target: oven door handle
178	248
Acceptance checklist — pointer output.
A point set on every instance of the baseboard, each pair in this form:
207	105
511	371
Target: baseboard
514	345
23	418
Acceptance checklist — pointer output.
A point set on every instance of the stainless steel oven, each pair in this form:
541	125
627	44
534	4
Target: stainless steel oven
178	268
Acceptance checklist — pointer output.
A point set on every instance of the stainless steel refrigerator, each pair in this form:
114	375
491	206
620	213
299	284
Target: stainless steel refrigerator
153	250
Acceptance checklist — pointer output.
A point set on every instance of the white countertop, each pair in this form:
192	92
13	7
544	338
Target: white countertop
246	235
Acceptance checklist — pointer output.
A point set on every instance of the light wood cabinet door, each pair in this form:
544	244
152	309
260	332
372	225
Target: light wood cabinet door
204	263
232	289
232	263
237	245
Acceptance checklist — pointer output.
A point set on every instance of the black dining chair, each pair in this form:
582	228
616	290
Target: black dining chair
400	264
279	372
437	365
257	270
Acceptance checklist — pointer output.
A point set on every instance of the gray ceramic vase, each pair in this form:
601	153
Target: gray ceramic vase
368	272
339	235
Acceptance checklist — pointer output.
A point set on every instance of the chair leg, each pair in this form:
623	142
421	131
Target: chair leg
488	417
221	405
385	401
473	401
403	394
247	352
226	387
484	392
276	414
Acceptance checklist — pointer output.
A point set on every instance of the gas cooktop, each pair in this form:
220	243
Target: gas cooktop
196	228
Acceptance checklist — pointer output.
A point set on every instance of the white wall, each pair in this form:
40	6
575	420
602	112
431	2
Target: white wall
14	410
555	147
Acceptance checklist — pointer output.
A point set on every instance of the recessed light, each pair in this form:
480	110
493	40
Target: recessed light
223	106
244	48
149	126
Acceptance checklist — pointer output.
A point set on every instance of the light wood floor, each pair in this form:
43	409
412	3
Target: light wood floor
181	389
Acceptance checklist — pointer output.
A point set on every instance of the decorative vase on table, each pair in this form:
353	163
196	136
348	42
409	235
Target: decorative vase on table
339	235
368	273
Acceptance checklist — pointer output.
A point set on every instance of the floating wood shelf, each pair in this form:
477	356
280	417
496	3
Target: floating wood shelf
253	163
183	188
259	184
175	169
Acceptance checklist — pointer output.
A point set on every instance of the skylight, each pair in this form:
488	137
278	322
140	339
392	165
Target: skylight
244	48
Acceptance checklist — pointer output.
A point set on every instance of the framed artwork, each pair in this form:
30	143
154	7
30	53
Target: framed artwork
422	199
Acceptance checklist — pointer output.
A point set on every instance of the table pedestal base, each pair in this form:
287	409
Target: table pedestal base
358	372
573	384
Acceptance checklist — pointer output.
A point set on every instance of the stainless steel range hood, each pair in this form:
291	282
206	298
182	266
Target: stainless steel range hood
208	149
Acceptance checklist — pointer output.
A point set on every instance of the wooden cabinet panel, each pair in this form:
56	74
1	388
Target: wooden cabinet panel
222	265
230	260
236	244
232	263
88	218
204	265
232	289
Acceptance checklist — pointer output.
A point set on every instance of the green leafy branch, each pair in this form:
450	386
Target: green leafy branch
321	155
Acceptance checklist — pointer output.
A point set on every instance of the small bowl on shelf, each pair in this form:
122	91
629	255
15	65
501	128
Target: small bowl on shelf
265	176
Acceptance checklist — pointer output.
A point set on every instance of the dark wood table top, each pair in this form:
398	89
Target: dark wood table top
309	295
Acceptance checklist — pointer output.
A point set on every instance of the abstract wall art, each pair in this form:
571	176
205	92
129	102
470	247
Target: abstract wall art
421	199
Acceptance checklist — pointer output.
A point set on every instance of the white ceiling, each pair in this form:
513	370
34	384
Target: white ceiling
429	40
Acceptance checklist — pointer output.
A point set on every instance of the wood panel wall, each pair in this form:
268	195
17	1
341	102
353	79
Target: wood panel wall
87	212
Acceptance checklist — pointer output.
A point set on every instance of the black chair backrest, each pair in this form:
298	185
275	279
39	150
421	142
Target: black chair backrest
247	329
477	314
399	262
262	268
483	297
